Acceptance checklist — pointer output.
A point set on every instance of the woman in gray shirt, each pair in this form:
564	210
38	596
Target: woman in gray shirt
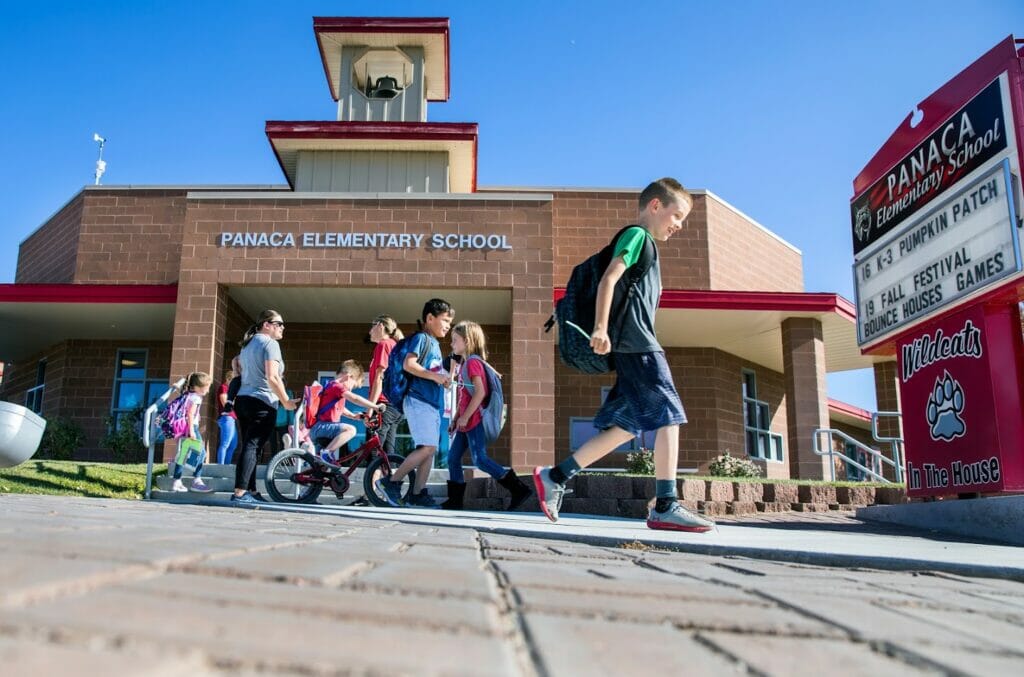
256	404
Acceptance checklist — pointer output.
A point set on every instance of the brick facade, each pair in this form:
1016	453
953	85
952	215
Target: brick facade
48	255
163	236
208	270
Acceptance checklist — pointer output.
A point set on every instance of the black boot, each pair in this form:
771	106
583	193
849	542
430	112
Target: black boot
456	492
515	486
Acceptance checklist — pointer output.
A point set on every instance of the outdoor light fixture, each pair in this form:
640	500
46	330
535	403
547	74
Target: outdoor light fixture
101	166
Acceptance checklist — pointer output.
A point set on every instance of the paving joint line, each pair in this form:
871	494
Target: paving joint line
525	649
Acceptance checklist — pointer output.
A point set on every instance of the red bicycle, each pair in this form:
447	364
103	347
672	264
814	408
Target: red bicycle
298	476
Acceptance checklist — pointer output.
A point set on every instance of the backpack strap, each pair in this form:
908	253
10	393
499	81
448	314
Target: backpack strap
646	259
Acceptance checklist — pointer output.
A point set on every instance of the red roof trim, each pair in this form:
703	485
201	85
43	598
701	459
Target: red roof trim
444	131
849	409
368	24
793	302
88	293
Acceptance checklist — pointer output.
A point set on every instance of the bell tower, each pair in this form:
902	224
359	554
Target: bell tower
382	72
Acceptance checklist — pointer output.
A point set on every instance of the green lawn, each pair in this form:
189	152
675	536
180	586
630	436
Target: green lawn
72	478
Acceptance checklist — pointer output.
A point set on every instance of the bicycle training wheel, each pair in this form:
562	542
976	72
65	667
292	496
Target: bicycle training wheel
374	472
281	473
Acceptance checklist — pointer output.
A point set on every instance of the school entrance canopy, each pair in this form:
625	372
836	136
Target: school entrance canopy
745	324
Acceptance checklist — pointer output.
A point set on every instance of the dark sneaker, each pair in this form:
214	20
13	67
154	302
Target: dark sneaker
392	491
549	492
423	500
678	518
259	497
244	499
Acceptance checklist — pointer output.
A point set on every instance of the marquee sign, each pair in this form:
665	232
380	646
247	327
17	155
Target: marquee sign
967	243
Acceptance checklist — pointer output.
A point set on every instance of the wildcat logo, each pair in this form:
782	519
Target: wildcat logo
945	404
862	227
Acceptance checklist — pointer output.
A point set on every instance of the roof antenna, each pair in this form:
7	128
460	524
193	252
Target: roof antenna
101	166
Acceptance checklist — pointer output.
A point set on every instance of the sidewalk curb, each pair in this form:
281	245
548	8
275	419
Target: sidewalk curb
649	538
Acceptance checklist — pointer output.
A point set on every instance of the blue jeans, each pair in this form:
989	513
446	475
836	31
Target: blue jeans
477	443
179	468
228	439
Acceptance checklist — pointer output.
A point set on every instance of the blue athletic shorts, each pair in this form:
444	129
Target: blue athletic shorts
644	397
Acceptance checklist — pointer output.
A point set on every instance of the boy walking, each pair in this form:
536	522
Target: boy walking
644	396
422	404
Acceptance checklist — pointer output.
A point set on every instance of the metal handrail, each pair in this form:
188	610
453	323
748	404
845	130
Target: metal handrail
148	440
896	443
832	453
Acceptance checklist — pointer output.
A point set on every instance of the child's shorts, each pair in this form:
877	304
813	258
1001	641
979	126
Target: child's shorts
644	397
424	422
326	429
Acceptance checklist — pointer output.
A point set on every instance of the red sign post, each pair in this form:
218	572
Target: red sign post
939	277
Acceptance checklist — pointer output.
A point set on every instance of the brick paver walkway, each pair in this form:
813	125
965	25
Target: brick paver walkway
118	587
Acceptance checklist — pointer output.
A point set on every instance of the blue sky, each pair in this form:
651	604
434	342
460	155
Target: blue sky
775	107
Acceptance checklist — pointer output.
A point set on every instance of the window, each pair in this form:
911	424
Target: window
582	429
761	442
131	387
34	395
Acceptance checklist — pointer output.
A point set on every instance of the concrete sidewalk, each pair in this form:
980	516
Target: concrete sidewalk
120	587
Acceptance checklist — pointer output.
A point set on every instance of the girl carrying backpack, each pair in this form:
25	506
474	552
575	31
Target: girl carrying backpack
470	344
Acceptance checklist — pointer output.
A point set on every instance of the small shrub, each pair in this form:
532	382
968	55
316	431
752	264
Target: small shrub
640	462
61	439
126	440
727	465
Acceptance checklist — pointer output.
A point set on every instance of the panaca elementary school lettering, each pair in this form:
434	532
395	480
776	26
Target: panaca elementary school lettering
366	240
126	288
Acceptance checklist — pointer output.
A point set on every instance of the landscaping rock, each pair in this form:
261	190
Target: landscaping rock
742	508
748	492
856	495
817	493
608	486
890	495
713	507
692	490
719	491
643	487
810	507
781	493
633	508
773	506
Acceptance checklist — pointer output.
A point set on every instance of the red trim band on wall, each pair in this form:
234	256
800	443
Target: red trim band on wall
791	302
88	293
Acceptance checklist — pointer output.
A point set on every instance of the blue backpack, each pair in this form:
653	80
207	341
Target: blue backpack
574	312
397	380
492	411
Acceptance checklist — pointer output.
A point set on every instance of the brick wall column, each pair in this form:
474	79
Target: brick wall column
199	341
887	395
532	409
803	354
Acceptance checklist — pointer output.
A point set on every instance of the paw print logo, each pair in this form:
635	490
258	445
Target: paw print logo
945	405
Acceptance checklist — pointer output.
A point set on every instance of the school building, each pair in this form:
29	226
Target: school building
126	288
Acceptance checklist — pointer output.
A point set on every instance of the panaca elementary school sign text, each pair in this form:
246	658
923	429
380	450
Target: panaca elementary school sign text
365	240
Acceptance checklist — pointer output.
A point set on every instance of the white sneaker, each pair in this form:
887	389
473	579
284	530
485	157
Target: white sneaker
678	518
178	486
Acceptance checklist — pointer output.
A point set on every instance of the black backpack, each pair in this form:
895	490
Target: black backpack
574	312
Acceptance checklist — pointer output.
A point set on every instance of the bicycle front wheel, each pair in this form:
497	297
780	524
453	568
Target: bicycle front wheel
290	478
375	470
